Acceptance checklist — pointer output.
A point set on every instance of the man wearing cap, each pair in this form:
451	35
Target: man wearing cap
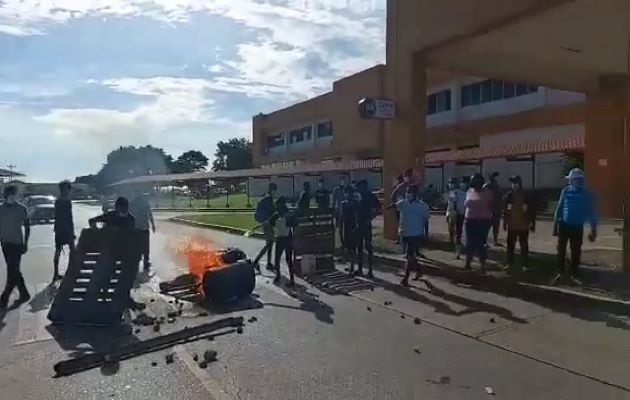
519	218
576	206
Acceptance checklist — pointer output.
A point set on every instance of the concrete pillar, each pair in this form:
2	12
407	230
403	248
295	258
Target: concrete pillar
607	155
405	136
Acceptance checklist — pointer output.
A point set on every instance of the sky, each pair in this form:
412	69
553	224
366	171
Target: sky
79	78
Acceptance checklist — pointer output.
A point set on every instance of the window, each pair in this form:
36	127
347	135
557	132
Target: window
493	90
439	102
308	132
324	129
275	141
296	136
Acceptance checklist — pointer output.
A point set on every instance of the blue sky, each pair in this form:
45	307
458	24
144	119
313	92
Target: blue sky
81	77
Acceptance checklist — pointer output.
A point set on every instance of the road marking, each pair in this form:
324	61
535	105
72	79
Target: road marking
33	316
215	389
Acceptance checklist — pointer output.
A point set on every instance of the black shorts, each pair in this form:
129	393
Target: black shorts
412	244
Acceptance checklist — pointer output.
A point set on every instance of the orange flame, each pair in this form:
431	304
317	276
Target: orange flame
201	255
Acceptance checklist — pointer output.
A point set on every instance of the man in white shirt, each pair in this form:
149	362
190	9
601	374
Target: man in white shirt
455	210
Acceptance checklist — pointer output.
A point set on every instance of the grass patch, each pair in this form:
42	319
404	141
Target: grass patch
233	220
237	200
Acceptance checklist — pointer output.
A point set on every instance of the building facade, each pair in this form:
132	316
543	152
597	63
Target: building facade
461	113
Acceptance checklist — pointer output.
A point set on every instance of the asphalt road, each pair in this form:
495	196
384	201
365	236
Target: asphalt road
307	344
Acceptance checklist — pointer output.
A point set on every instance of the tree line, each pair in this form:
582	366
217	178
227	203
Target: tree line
130	161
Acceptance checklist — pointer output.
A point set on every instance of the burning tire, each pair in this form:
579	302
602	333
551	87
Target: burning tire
232	282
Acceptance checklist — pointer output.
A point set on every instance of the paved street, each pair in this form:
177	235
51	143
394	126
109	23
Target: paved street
307	344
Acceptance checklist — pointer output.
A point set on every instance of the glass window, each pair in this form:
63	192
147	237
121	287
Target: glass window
475	94
486	91
497	90
296	136
324	129
443	101
521	89
533	88
308	132
465	93
509	90
275	141
432	104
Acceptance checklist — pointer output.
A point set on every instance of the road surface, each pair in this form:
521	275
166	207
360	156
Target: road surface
436	340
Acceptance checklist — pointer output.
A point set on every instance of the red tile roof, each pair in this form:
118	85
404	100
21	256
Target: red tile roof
573	143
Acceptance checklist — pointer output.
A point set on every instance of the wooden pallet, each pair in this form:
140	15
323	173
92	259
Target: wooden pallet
315	235
95	289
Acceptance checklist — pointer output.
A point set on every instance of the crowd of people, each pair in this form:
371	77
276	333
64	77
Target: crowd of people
15	232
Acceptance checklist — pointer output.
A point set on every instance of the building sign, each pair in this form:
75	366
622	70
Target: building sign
370	108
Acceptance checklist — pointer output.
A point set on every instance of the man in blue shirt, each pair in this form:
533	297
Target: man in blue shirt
576	206
411	228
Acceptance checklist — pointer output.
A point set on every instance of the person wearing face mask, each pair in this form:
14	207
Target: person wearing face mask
575	207
478	218
519	218
455	209
118	218
14	243
413	216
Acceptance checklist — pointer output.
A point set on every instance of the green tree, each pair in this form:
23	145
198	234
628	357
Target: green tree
130	161
236	153
572	160
190	161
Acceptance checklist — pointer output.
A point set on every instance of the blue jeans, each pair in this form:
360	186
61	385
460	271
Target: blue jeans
476	238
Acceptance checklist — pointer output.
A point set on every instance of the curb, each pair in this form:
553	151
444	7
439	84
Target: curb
529	292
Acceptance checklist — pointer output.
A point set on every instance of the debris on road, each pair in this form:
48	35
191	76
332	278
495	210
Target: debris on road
171	320
137	331
169	358
252	319
417	321
239	330
388	303
492	320
195	357
210	356
402	316
203	364
95	360
156	327
171	314
144	320
369	308
154	363
417	350
490	390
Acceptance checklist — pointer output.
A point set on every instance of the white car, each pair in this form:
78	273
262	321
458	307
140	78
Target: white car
41	208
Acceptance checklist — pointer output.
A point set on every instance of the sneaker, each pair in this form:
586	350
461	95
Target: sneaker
24	298
508	268
359	272
417	277
576	281
557	279
276	279
370	274
291	283
404	282
4	303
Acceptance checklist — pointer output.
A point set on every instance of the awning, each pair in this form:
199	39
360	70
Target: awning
573	143
299	169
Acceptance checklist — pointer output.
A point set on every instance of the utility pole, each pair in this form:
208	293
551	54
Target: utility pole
11	168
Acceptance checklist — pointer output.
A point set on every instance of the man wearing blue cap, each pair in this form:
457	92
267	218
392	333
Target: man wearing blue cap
576	206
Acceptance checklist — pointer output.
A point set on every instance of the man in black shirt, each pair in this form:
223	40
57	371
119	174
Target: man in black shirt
322	198
367	208
349	220
304	203
64	227
119	218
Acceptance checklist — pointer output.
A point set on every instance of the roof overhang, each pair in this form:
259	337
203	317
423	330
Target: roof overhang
566	44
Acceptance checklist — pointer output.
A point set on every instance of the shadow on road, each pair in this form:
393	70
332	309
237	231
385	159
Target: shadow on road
615	315
310	302
81	340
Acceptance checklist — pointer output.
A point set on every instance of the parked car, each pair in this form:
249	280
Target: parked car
41	208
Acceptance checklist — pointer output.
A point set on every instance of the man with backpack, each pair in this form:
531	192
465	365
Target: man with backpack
264	210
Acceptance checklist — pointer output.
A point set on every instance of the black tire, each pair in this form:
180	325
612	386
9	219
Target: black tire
229	283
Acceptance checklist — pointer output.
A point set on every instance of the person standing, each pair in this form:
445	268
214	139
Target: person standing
455	210
413	216
478	217
64	227
575	207
264	210
141	211
399	193
497	210
14	243
349	223
368	206
322	198
283	222
118	218
338	198
304	202
519	218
